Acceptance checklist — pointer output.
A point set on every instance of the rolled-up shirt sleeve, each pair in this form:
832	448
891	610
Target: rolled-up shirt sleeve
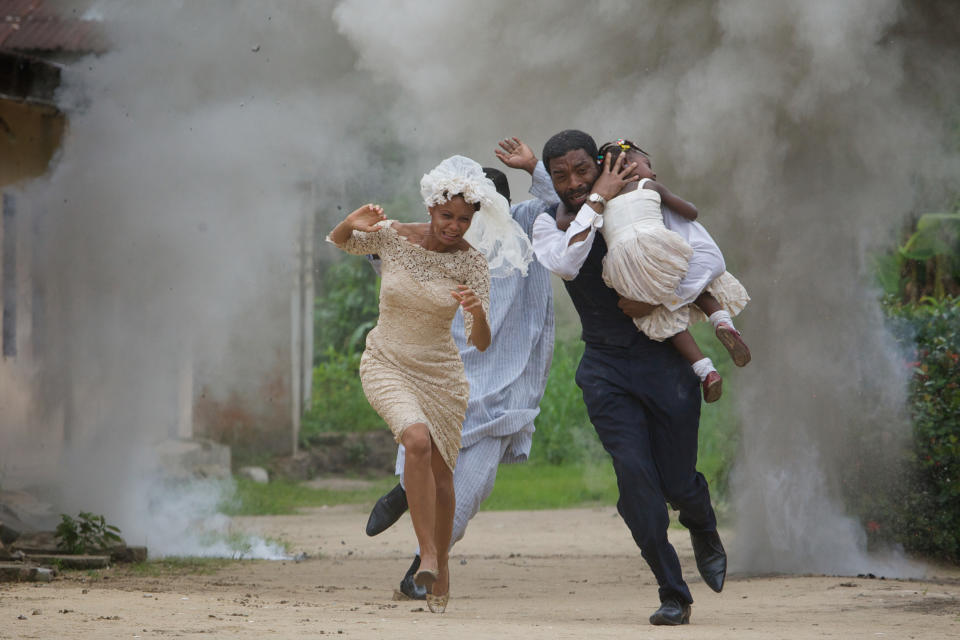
552	246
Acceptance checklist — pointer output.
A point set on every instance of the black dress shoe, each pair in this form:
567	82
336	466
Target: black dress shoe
388	510
711	558
408	587
671	612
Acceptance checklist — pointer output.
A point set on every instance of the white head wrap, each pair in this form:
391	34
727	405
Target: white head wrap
493	231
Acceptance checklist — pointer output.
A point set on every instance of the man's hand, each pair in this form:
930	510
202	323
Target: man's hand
635	308
515	153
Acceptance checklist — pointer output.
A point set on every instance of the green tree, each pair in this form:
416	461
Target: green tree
346	308
927	264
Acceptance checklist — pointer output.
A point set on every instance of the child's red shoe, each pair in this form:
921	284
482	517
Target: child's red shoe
730	338
712	387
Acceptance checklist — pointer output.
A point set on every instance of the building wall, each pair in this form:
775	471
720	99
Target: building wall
259	413
30	135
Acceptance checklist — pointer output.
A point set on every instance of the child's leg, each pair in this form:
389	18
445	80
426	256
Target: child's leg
687	347
709	377
722	323
707	303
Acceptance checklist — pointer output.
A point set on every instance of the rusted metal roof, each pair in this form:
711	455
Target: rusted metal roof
33	25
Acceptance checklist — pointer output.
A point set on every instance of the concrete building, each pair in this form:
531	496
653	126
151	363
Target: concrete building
37	46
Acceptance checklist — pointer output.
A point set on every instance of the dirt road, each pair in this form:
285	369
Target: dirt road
529	574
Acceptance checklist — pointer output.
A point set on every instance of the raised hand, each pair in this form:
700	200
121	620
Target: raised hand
366	217
515	153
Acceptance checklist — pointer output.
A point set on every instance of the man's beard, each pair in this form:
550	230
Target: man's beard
569	197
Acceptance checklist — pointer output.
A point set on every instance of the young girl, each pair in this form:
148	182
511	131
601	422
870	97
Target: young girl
645	261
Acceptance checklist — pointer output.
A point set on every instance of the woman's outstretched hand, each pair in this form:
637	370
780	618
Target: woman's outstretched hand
366	218
468	300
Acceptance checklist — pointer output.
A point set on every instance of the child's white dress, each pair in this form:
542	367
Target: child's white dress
645	261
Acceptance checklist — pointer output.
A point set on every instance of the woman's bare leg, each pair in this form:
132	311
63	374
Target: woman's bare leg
445	507
418	478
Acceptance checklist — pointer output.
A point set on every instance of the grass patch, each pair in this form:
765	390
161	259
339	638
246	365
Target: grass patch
281	497
719	424
547	486
534	486
176	565
564	433
568	466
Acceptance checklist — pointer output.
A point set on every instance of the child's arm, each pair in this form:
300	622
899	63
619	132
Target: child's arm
672	201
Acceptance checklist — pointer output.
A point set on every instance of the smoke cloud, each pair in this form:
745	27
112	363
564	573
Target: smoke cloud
167	230
805	132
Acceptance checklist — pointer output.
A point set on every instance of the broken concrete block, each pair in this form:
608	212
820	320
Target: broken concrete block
257	474
20	572
8	535
187	459
43	574
22	511
36	542
44	544
66	561
128	554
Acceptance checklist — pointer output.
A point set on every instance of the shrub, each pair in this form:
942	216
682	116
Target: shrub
338	402
345	311
928	261
86	532
564	433
346	308
929	520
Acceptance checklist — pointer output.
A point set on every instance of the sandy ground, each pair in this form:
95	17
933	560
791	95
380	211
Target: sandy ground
529	574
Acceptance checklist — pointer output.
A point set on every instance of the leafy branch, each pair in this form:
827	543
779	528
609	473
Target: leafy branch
86	532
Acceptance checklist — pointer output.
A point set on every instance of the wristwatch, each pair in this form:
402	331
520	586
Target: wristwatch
599	199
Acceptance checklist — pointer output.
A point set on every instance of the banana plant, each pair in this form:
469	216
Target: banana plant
927	264
934	247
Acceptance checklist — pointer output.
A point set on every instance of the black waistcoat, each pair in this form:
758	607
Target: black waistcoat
602	320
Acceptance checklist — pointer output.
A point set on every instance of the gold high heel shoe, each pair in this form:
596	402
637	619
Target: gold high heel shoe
427	578
438	604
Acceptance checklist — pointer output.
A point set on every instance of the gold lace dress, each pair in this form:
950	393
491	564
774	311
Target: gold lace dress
411	369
